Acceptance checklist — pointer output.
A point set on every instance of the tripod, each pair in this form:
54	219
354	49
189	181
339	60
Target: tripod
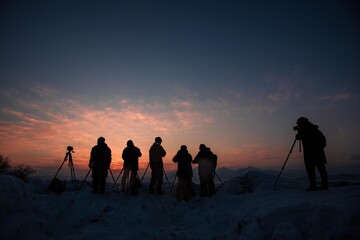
122	170
131	182
167	179
287	159
70	165
89	173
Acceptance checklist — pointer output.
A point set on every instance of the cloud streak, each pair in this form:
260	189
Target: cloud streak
44	128
339	97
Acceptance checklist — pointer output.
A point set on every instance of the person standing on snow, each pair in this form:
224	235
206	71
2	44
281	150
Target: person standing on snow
156	153
130	156
100	159
207	161
313	142
183	158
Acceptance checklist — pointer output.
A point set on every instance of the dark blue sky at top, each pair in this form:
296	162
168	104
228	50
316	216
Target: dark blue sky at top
198	44
239	71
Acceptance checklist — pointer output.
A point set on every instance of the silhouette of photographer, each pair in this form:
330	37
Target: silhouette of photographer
130	156
313	142
156	153
207	161
185	173
100	159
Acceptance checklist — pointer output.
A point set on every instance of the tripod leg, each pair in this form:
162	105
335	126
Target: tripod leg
166	178
118	176
285	162
57	173
219	178
72	169
84	179
172	186
113	179
145	172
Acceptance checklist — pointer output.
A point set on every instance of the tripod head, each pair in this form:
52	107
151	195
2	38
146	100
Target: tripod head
70	150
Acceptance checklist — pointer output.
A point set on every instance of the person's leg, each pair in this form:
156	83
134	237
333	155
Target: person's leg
203	188
132	183
95	184
124	179
152	181
159	181
323	174
211	187
102	185
310	169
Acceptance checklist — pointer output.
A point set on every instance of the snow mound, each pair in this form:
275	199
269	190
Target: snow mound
15	195
257	181
247	206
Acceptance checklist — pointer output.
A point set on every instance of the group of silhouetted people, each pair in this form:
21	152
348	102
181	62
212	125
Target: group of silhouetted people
312	139
100	159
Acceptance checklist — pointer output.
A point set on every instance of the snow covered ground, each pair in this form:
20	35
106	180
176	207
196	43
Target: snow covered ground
247	206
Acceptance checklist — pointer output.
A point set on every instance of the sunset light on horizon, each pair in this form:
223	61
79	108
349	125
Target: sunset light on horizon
232	75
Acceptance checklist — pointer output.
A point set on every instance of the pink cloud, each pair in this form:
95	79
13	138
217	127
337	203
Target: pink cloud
44	133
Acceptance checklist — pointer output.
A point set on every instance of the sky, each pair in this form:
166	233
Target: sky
234	75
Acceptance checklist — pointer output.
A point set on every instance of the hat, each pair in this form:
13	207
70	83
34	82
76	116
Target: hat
302	120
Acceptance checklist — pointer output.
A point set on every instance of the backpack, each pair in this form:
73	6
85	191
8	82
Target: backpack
57	186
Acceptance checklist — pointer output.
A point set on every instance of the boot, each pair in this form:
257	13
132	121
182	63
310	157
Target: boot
312	181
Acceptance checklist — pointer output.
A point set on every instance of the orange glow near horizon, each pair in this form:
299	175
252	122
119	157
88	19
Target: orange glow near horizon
39	136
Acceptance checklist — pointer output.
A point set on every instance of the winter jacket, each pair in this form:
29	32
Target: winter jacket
313	147
156	153
207	161
183	158
131	156
100	160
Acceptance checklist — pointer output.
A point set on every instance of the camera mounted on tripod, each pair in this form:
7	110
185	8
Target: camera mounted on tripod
68	156
296	128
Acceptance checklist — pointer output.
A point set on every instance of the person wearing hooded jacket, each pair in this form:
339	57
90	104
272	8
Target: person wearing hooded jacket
156	154
207	161
100	159
314	156
130	156
183	158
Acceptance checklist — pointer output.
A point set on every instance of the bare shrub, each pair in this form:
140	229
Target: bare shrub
20	171
23	172
4	165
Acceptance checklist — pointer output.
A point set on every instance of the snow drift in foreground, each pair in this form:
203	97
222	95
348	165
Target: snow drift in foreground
246	207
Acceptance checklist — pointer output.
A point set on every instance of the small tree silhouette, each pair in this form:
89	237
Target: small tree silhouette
23	172
20	171
4	165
